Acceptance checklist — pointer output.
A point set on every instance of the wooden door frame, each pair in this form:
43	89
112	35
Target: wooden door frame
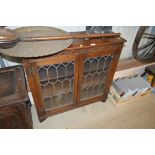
31	66
115	53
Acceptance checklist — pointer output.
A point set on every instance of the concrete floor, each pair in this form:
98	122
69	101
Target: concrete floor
138	114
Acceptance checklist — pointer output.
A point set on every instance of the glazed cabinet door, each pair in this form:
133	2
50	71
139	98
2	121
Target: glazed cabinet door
56	81
97	71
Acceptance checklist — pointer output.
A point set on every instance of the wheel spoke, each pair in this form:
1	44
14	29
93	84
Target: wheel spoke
146	45
144	54
148	37
149	34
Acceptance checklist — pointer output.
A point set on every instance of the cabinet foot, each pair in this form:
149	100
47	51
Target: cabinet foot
41	119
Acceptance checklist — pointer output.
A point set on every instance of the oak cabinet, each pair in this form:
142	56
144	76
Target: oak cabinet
77	76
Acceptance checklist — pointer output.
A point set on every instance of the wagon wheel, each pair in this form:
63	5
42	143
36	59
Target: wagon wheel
144	45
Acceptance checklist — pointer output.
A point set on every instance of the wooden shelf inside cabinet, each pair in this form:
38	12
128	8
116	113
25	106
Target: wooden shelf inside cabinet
79	75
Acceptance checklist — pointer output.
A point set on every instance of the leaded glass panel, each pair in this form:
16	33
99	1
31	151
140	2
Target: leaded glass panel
94	76
57	84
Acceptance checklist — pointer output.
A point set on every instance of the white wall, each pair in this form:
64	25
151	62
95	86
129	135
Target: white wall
66	28
129	33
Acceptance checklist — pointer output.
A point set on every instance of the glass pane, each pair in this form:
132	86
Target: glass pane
57	84
94	76
52	72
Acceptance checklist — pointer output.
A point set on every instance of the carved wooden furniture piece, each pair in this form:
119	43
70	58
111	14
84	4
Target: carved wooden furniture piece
79	75
15	112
